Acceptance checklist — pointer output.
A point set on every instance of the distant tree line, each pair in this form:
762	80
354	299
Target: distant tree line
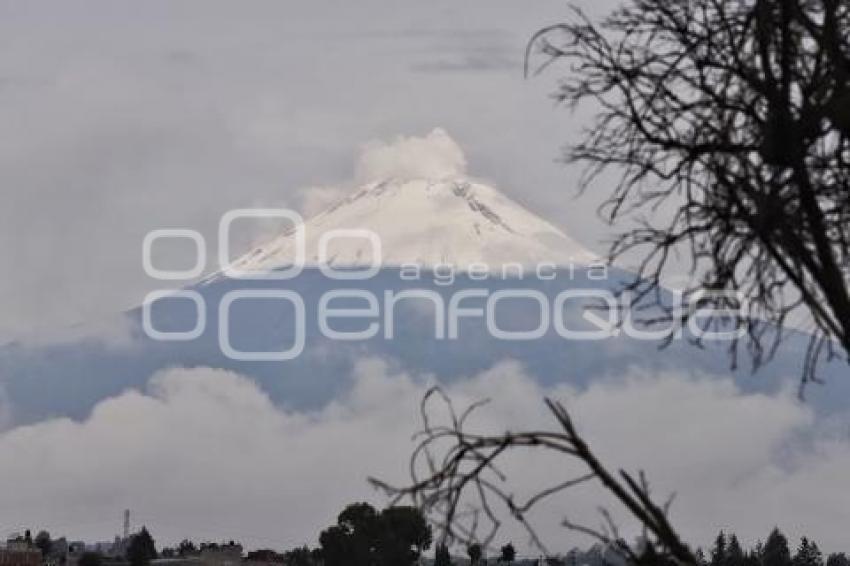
140	550
775	551
725	551
399	536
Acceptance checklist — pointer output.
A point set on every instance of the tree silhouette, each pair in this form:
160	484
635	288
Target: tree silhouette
186	548
808	554
776	551
338	547
508	554
733	117
302	556
443	558
43	542
355	535
142	548
404	535
475	553
90	559
734	552
397	536
754	556
719	552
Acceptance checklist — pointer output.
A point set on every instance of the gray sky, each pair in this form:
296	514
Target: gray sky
121	117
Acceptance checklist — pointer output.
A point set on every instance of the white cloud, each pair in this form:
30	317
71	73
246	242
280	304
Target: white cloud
433	156
205	454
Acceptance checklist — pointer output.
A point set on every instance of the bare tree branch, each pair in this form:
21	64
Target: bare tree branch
451	466
734	117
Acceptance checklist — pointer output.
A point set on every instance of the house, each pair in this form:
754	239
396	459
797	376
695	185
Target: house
263	558
20	551
213	554
19	557
75	551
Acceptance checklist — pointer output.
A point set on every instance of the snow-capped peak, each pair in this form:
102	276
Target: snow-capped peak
453	221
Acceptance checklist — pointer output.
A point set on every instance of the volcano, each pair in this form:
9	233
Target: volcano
449	222
397	241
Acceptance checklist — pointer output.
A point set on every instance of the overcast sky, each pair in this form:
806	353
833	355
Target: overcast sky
120	117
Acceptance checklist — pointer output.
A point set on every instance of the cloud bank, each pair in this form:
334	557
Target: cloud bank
433	156
205	454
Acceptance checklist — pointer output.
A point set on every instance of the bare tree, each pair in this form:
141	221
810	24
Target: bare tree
456	479
735	114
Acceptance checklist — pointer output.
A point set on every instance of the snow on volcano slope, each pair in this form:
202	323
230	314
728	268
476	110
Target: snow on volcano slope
453	221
